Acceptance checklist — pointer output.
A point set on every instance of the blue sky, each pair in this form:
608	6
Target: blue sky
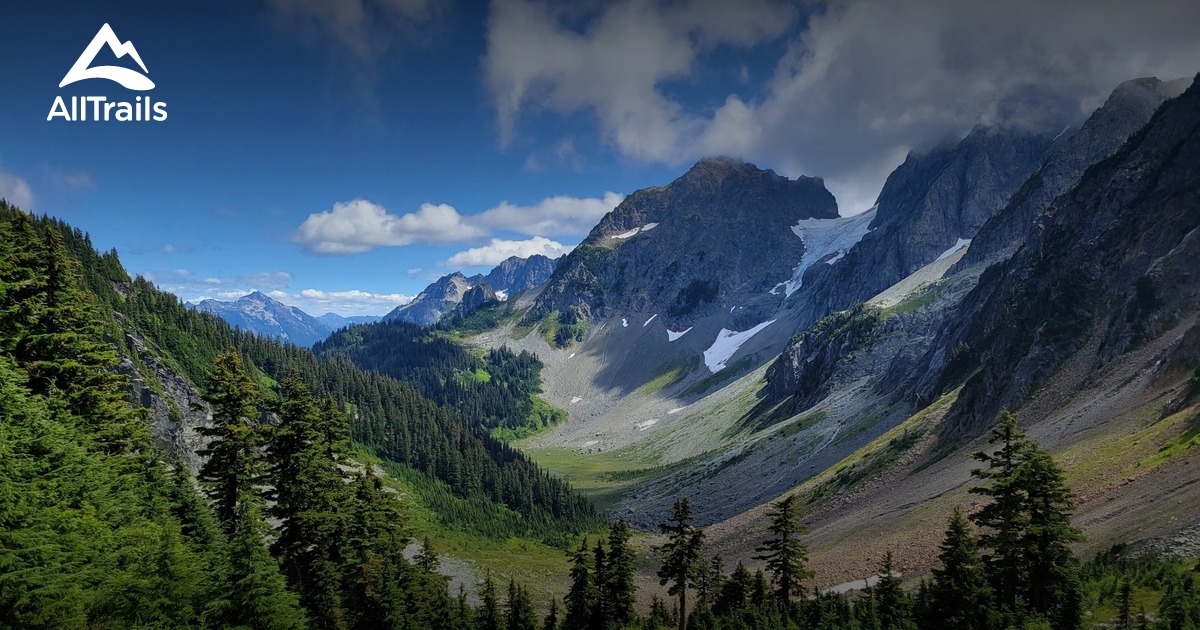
341	154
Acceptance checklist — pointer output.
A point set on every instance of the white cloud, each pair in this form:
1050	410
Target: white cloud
357	226
16	190
861	82
70	179
498	250
360	225
352	302
364	29
553	216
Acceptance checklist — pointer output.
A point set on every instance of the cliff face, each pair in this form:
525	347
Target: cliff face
929	206
1111	262
718	236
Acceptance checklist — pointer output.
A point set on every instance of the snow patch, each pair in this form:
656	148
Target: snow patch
823	237
727	344
962	242
1060	134
624	323
649	320
628	234
649	226
502	296
672	335
675	411
571	356
576	399
642	426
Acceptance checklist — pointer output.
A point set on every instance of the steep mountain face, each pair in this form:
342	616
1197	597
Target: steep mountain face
435	302
261	314
515	274
931	205
806	366
443	297
1126	111
1109	264
719	236
476	297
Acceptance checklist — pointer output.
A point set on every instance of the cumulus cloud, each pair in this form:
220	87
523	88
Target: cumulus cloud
351	302
357	226
360	225
861	82
498	250
16	190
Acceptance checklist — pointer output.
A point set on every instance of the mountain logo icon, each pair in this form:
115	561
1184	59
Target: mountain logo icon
130	79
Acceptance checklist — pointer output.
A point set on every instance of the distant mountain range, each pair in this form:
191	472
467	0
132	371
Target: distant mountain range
446	294
262	314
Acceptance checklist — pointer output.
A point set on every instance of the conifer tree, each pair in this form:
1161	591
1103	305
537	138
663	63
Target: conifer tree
518	610
488	616
256	594
894	605
783	552
427	559
310	498
959	596
680	554
232	465
581	598
619	591
551	621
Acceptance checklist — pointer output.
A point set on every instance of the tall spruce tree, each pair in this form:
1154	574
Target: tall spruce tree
232	465
894	605
489	615
618	593
310	497
681	554
256	594
783	552
518	609
581	597
959	596
1004	518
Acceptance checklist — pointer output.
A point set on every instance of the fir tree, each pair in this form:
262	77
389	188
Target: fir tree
518	610
581	598
680	554
231	466
959	596
783	552
551	620
488	616
427	559
618	592
256	594
894	605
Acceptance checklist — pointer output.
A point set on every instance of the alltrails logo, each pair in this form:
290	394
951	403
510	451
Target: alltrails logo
99	107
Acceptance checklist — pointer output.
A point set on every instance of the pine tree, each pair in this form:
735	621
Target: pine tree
618	592
518	610
581	598
551	621
256	595
1125	605
959	596
734	592
427	559
783	552
599	615
488	616
894	605
1027	530
680	554
310	498
232	465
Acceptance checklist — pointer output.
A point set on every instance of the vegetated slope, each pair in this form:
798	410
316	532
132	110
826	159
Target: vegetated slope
1089	330
389	417
493	392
